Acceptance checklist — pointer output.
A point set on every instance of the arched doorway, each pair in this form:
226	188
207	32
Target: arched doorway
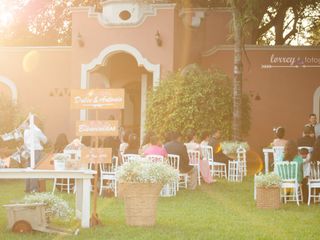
122	66
8	88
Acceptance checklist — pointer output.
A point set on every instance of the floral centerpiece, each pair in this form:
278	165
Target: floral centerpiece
140	186
56	207
230	147
146	172
268	190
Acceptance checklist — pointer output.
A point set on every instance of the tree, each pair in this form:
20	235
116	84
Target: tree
282	21
238	68
47	22
199	100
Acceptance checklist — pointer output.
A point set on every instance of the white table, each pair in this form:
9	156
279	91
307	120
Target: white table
266	152
82	178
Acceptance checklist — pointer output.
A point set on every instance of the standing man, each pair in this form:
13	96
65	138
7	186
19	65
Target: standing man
175	146
312	123
36	136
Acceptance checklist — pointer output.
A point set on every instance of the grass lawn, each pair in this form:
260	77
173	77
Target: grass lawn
219	211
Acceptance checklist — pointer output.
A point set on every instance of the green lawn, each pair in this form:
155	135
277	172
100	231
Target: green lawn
219	211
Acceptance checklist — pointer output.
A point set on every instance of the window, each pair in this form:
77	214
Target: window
125	15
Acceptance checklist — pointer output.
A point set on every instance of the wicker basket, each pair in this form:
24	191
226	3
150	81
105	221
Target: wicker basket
140	201
268	198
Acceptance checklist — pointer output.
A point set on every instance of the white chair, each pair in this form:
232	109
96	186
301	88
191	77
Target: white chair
194	160
108	176
170	190
67	184
234	173
155	158
314	183
278	154
242	158
130	158
288	171
217	168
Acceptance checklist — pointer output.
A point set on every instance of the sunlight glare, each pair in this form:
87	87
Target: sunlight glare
5	18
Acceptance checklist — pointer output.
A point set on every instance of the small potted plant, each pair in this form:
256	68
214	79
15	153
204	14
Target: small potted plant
268	191
140	185
59	161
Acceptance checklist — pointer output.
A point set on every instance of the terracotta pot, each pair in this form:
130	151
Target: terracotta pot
268	198
140	201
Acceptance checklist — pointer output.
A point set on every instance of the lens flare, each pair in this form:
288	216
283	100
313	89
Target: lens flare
31	61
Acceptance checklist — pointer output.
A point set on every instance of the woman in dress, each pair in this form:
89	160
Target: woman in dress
155	148
279	140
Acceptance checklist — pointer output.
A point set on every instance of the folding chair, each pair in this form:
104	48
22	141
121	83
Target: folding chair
288	171
194	160
108	176
314	183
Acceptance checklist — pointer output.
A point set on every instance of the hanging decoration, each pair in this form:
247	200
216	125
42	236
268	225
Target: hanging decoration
22	152
15	134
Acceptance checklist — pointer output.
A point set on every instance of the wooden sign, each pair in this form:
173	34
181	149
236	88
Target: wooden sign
97	99
97	128
96	155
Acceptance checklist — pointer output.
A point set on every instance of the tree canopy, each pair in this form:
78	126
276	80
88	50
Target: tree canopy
48	22
197	99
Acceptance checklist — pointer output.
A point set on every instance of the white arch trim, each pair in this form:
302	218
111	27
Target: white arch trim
117	48
12	86
110	50
316	100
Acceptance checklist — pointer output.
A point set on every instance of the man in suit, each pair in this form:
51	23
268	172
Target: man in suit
175	146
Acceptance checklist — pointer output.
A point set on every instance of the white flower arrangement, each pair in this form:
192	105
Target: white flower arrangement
268	180
55	206
146	172
230	147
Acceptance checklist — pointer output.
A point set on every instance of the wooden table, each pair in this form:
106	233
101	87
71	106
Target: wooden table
266	152
82	178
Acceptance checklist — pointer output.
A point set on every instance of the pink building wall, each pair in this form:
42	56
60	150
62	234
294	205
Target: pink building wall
42	78
286	93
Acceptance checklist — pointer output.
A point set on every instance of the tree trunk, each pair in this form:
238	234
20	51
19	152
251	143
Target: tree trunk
237	72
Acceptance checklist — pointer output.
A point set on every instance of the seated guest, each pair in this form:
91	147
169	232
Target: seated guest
191	143
279	141
306	139
146	142
124	144
113	143
291	155
315	155
155	148
214	142
133	145
168	136
175	146
205	138
87	141
61	143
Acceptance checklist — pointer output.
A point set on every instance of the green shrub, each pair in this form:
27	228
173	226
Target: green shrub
199	100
